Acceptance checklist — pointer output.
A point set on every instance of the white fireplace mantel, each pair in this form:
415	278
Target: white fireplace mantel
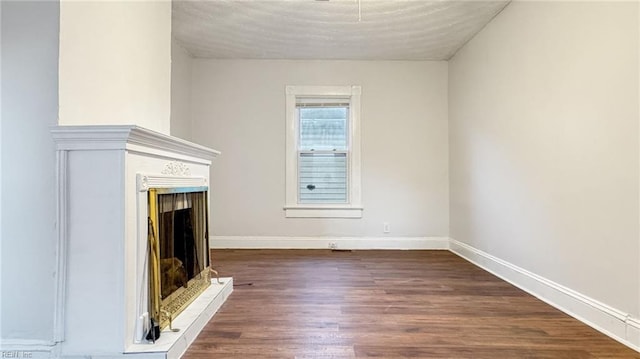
128	137
103	173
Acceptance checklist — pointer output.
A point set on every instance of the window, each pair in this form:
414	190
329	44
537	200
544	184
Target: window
323	151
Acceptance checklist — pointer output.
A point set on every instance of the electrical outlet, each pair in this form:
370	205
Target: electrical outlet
333	245
386	228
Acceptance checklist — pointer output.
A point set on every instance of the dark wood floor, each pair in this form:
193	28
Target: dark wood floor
390	304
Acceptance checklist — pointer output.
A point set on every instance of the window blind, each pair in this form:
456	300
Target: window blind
323	153
322	177
323	128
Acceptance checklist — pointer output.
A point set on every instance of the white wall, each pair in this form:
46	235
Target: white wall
543	107
239	109
115	63
180	91
0	170
29	108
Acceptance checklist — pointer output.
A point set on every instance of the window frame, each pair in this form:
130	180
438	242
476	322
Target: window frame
353	208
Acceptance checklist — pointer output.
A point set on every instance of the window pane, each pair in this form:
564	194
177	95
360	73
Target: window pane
322	177
323	128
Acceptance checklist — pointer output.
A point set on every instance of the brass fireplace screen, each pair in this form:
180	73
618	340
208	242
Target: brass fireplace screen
179	255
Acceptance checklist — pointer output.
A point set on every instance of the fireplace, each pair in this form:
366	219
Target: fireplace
178	257
122	263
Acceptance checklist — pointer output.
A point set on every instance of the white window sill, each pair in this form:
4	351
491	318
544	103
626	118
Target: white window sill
323	212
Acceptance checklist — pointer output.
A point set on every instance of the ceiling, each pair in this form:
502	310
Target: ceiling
333	29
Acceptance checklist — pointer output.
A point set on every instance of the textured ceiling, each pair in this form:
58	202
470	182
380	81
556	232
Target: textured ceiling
334	29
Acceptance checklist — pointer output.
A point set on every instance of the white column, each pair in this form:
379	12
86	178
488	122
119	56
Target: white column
115	63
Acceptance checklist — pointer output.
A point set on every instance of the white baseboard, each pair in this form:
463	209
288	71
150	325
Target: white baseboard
242	242
26	348
633	333
610	321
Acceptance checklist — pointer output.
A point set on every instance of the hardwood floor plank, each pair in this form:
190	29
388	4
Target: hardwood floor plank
466	352
384	304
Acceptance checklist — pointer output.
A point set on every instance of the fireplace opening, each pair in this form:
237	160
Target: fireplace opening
179	257
179	260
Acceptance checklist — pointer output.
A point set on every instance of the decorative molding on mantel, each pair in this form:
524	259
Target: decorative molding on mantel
175	168
114	137
147	181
